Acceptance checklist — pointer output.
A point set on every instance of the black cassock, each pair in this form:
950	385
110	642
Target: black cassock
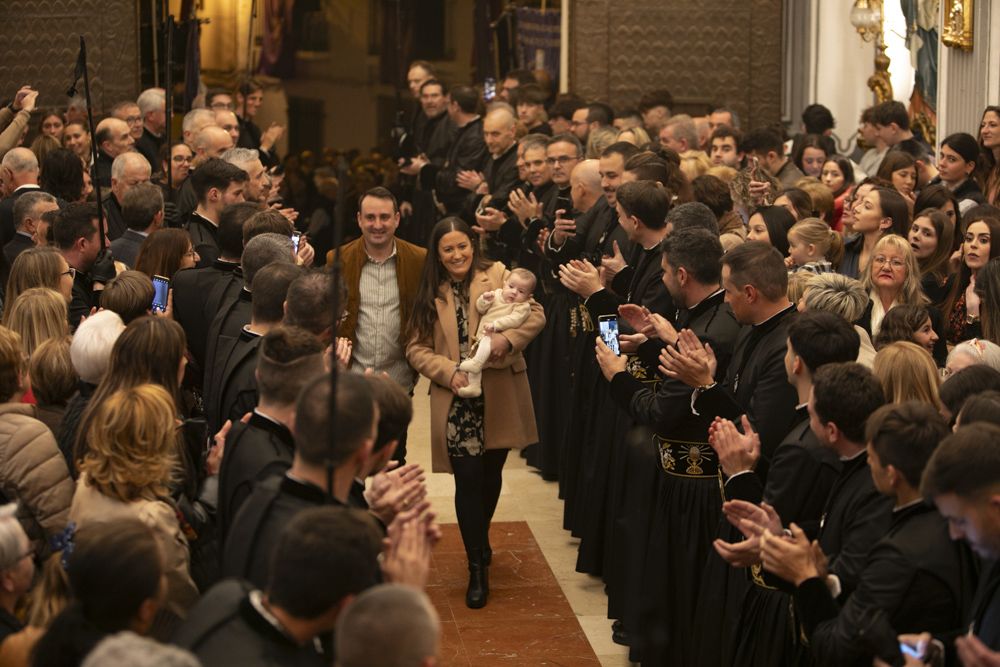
596	230
756	385
671	505
801	475
917	575
605	425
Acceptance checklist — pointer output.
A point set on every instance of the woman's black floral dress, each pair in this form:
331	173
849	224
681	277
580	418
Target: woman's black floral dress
465	418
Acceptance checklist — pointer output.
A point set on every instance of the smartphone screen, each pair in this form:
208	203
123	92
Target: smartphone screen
489	89
609	332
161	288
296	237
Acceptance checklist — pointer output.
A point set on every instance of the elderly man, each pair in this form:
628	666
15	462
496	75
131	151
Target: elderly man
153	109
128	111
28	212
127	171
113	138
19	171
228	121
195	121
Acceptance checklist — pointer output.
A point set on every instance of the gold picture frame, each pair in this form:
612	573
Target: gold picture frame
958	16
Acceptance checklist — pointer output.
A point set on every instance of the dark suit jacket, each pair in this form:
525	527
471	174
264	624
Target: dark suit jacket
84	298
409	266
21	242
101	171
256	527
250	136
198	295
259	449
204	238
468	151
755	384
644	286
113	214
149	145
224	628
986	607
125	248
501	177
916	574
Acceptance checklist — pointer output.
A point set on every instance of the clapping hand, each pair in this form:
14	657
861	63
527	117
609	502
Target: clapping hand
751	520
793	558
691	362
489	220
580	277
469	179
406	555
524	206
612	266
395	490
737	451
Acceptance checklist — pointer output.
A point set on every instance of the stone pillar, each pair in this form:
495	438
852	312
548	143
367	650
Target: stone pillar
968	81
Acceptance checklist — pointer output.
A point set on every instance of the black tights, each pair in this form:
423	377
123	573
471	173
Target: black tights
478	480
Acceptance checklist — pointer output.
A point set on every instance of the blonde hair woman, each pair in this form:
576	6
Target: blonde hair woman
637	136
38	267
907	372
37	314
891	277
127	471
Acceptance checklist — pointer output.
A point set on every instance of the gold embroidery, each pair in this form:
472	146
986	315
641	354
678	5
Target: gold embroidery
588	324
694	455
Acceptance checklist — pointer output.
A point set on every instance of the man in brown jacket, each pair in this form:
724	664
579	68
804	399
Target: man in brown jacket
33	472
381	273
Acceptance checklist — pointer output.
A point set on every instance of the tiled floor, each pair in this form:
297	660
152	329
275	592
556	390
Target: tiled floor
525	498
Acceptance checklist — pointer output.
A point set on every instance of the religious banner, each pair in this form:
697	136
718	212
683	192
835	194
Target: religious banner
538	38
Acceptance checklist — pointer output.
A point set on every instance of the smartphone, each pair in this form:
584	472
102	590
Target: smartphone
489	89
608	325
296	238
911	651
161	289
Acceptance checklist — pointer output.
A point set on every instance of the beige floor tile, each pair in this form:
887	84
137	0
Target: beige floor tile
597	628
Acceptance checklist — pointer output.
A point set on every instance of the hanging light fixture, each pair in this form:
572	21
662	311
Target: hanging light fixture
866	17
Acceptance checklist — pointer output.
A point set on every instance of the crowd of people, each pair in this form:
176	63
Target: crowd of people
748	359
175	490
764	374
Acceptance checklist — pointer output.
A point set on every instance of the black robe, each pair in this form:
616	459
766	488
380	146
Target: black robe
672	501
114	216
985	615
501	177
233	315
236	393
256	527
754	384
433	138
801	477
204	239
224	628
198	295
917	575
255	451
467	152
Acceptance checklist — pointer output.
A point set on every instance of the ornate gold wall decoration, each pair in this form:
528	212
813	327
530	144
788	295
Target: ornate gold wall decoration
958	15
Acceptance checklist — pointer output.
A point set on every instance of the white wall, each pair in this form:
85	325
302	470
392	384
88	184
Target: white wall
841	64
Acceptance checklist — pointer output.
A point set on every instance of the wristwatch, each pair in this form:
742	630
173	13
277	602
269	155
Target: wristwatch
971	319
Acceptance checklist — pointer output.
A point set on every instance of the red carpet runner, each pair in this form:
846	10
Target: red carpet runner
527	622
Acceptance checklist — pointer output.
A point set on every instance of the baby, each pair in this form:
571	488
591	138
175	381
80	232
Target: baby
501	309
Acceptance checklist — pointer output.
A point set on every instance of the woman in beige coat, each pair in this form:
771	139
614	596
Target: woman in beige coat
470	436
126	472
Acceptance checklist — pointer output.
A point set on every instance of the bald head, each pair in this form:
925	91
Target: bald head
498	129
113	137
585	181
19	167
211	142
195	121
226	119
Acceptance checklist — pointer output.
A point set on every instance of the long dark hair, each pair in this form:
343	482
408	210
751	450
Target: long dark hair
424	315
162	252
62	175
901	323
988	169
964	272
778	221
114	568
894	207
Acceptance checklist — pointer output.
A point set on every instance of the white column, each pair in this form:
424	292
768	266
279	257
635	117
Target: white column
968	81
564	47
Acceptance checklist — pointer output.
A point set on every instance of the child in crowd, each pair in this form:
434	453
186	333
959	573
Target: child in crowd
813	247
499	310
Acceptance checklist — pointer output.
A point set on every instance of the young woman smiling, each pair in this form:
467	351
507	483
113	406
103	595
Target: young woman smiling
989	141
877	212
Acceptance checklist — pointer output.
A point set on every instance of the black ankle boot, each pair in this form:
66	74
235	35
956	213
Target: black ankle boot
475	596
488	556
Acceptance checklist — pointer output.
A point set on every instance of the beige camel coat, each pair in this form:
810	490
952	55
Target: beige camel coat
509	419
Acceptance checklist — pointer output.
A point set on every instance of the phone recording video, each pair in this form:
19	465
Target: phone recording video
161	289
296	238
609	332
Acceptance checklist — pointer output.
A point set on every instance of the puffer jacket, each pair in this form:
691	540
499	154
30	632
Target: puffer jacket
33	472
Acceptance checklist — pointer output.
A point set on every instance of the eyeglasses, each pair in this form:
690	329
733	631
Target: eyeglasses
133	120
222	106
182	158
894	263
561	159
69	272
